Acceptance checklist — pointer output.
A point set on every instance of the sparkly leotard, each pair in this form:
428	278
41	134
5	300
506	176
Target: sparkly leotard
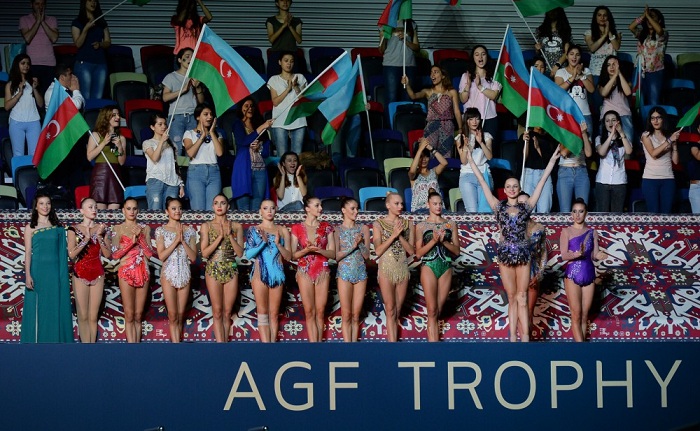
352	267
88	265
176	268
514	248
266	256
393	262
437	258
134	267
581	270
221	265
313	265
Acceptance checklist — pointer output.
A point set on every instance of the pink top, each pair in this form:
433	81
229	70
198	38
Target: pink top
40	50
185	37
477	99
616	101
660	168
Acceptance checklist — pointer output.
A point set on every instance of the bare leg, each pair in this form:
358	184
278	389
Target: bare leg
358	300
391	312
444	286
508	280
81	291
321	299
261	293
216	297
522	278
574	296
230	295
170	297
532	292
430	290
129	303
183	296
308	300
275	304
587	293
141	299
345	294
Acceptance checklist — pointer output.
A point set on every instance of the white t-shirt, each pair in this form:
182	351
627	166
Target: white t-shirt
278	84
576	90
478	155
291	194
164	169
206	154
610	171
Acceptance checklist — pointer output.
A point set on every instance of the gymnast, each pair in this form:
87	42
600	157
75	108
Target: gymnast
221	242
131	242
436	243
266	245
393	238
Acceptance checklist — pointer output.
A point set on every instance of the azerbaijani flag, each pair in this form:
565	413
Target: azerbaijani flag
227	75
512	74
63	127
539	7
393	12
347	101
453	2
555	111
326	84
689	117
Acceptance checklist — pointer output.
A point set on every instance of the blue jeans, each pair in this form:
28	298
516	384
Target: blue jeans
572	182
19	130
530	180
292	206
694	196
180	124
203	184
652	83
92	78
257	183
472	196
393	89
156	193
659	194
281	139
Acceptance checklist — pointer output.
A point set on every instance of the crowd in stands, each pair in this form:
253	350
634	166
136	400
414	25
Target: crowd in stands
632	159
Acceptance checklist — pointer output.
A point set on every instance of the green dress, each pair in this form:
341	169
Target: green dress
47	307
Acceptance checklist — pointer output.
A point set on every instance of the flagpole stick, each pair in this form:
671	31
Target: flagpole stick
187	74
527	126
306	88
404	51
123	1
111	168
486	103
364	98
549	66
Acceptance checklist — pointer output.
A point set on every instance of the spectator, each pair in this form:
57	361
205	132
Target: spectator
576	79
477	143
553	39
652	39
284	89
290	183
40	32
92	39
477	89
249	182
284	29
203	146
423	179
23	100
611	180
393	60
106	147
572	179
614	88
181	117
70	83
187	23
660	151
540	148
162	179
693	169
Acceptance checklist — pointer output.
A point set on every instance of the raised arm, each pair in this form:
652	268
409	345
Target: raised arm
490	198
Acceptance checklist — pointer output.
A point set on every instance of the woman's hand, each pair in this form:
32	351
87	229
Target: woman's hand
299	170
29	282
398	228
212	128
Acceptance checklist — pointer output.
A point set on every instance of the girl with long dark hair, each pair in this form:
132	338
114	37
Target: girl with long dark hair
162	178
23	100
477	89
553	39
652	38
92	39
188	24
660	150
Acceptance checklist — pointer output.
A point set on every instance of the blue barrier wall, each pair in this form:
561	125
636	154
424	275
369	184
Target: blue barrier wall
298	386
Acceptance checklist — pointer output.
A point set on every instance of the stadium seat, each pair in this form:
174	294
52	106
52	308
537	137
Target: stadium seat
322	57
80	193
413	137
120	58
393	107
355	162
367	193
398	179
65	54
25	177
395	163
114	78
323	192
357	178
455	197
6	152
157	61
8	198
134	191
405	121
253	56
129	90
319	178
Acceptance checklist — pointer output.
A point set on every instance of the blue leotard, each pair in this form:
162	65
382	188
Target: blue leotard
266	257
352	267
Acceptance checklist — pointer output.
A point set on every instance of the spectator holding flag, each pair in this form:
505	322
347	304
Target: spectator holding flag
391	47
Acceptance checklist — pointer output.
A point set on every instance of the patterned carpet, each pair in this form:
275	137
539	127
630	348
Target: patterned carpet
647	289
